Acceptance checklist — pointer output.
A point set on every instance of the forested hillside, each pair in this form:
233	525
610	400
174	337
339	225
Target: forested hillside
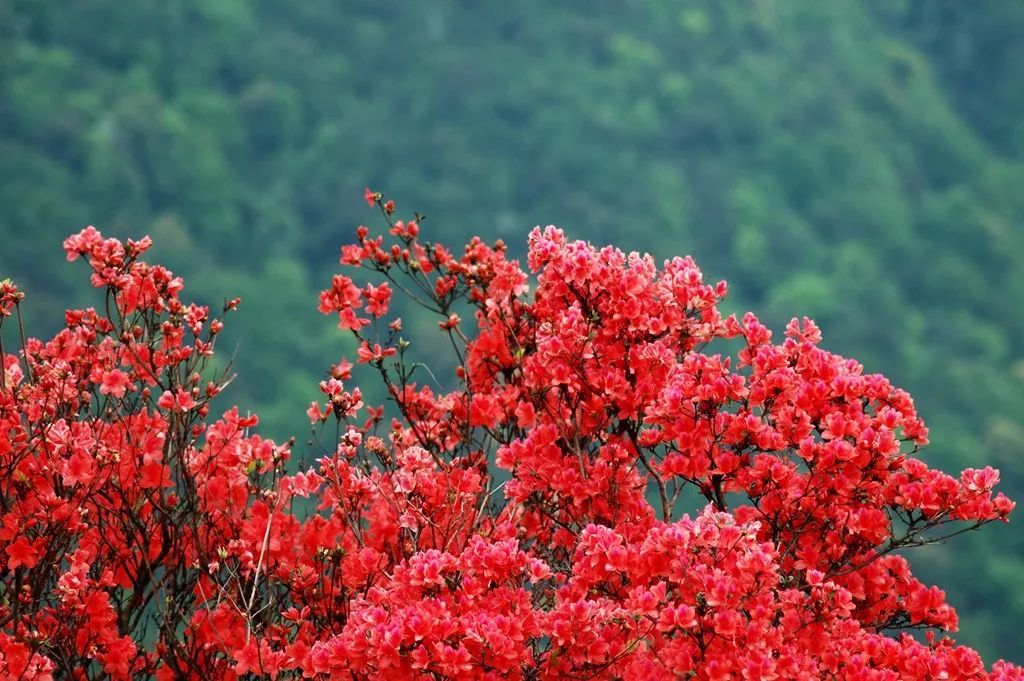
860	163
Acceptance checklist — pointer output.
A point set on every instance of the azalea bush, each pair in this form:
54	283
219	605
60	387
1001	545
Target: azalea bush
625	484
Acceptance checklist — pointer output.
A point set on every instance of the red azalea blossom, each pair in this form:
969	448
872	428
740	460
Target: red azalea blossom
180	400
377	299
114	383
9	297
143	538
21	553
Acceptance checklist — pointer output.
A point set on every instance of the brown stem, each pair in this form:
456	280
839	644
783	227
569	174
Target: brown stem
24	344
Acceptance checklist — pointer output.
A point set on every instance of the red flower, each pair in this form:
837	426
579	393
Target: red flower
377	299
179	400
79	469
115	383
22	553
366	354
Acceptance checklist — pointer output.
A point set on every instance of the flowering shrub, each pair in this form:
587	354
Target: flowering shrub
143	538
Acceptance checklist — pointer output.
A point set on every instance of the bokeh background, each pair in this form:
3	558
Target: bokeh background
858	162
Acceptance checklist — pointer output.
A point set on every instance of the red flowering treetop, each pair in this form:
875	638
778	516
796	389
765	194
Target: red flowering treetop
140	538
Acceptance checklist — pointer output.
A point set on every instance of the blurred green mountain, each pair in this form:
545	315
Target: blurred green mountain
861	163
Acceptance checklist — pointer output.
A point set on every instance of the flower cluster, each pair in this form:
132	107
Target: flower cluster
608	492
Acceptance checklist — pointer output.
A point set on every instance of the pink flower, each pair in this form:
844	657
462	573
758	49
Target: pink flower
115	383
180	400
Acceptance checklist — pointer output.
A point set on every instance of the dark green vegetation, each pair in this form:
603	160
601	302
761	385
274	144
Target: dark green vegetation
861	163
